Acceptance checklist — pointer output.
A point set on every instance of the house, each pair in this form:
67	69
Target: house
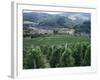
41	31
66	31
51	31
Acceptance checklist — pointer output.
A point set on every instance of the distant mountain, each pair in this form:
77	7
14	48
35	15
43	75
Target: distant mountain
34	16
58	20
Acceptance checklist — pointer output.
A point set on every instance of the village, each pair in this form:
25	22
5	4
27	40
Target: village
52	31
47	29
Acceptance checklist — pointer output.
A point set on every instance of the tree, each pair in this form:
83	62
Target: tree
35	59
87	56
67	59
77	54
55	31
55	57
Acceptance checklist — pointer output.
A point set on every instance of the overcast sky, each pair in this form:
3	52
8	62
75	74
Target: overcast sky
71	15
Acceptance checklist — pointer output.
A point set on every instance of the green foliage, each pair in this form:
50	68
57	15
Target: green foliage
87	56
54	40
67	59
35	59
55	57
78	54
68	55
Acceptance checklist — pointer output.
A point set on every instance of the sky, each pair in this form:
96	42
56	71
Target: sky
71	15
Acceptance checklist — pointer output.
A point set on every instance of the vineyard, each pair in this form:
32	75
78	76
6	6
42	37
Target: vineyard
53	51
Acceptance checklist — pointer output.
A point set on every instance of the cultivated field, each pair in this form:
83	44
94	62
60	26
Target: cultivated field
52	51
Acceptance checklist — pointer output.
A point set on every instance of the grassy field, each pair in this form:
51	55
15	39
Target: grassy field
54	40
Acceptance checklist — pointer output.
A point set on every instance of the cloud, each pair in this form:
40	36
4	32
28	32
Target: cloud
79	16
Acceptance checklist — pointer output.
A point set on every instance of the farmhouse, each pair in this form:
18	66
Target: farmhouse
66	31
41	31
44	31
51	31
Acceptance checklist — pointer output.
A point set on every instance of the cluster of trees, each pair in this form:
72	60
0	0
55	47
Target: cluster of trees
83	28
71	55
